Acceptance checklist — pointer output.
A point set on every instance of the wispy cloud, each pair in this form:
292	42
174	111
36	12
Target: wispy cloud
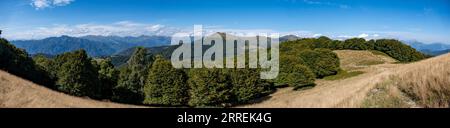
366	35
42	4
327	3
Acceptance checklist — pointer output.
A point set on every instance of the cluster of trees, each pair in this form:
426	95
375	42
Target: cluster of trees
300	64
17	61
168	86
394	48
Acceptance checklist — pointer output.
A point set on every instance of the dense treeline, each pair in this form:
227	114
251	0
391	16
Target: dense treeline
148	78
142	80
391	47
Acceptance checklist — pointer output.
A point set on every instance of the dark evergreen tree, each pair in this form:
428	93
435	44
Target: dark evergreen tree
132	78
247	85
108	77
209	87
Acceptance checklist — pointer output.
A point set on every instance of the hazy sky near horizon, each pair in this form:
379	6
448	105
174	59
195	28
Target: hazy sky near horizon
423	20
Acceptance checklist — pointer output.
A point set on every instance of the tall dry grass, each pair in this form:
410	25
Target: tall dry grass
426	82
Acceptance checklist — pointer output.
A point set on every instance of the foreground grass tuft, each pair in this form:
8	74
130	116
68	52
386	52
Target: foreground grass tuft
384	95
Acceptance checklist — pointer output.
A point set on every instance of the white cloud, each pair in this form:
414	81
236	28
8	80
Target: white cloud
367	36
364	35
123	28
42	4
317	35
316	2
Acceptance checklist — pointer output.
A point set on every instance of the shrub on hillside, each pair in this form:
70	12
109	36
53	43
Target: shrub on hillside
296	76
355	44
398	50
322	62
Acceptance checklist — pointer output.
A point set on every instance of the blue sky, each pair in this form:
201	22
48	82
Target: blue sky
422	20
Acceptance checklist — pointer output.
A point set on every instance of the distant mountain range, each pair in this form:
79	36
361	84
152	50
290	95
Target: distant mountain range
113	45
94	45
430	49
289	38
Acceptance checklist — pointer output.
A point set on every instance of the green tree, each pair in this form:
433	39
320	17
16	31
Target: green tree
108	76
132	78
209	87
247	85
76	74
323	42
165	84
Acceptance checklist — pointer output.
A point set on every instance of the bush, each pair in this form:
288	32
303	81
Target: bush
165	84
209	87
322	62
355	44
398	50
296	76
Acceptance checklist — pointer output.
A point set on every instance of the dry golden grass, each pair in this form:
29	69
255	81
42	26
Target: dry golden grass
426	82
354	60
386	96
420	84
19	93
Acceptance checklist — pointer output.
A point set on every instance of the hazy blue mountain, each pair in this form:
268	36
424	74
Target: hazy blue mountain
94	45
430	49
122	57
122	43
58	45
289	38
435	53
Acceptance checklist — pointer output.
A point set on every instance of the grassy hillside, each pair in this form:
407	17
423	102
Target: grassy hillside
422	84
